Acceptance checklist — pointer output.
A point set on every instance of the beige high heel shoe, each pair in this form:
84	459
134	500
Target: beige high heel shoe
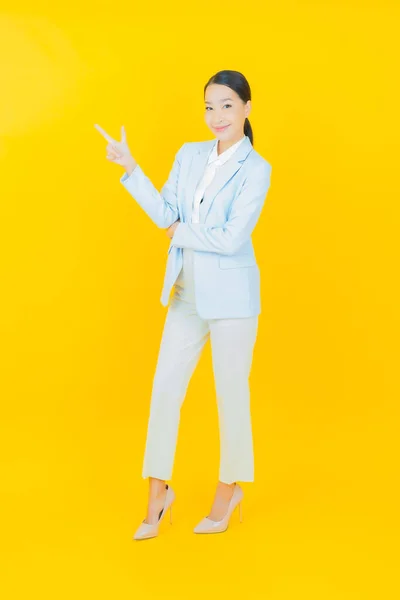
206	525
149	530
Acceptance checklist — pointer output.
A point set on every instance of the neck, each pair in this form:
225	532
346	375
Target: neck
222	146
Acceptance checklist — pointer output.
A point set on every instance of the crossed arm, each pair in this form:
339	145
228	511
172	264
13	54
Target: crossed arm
162	208
243	218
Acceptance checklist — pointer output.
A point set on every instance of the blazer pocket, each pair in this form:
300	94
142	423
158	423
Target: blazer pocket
240	260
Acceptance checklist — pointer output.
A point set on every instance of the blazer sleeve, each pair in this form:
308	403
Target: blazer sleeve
243	218
161	207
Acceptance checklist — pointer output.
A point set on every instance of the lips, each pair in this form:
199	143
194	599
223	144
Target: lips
221	128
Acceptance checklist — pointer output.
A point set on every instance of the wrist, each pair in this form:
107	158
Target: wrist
130	167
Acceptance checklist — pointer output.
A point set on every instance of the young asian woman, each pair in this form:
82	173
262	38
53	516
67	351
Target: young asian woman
209	207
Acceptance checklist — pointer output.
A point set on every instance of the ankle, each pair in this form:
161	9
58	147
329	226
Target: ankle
156	487
226	486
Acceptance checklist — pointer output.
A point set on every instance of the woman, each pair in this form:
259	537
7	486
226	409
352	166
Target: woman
209	207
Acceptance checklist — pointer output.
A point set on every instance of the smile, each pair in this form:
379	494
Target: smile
221	128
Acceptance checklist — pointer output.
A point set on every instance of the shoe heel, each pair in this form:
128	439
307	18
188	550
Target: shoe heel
170	514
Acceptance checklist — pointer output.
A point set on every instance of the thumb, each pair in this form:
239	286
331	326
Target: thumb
123	134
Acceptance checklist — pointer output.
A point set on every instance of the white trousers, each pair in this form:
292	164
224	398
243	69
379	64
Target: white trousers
183	339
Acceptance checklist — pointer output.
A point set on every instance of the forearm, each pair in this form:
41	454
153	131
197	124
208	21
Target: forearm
204	238
149	198
232	235
161	207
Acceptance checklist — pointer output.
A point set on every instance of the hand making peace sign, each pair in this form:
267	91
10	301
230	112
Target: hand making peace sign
118	152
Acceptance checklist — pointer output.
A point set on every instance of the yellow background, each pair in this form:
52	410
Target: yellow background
81	276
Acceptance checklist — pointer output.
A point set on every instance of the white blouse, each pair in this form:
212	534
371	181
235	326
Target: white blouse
214	161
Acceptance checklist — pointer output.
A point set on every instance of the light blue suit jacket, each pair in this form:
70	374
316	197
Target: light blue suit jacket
226	274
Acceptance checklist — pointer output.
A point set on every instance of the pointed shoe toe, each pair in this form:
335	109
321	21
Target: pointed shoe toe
150	530
206	525
145	531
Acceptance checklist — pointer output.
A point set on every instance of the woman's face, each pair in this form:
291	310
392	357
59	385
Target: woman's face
225	112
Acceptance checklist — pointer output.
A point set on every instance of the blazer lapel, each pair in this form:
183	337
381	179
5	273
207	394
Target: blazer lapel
198	164
221	178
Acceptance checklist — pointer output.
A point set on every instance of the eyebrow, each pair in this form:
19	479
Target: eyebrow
223	100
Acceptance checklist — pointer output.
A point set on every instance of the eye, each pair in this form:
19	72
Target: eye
209	107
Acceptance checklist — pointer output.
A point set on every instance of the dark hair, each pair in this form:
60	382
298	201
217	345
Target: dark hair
239	84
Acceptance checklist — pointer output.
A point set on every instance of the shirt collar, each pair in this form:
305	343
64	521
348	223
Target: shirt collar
222	158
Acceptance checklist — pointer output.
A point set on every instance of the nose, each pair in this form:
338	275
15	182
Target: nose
217	118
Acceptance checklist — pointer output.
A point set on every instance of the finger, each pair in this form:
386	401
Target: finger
111	151
112	156
112	148
105	134
123	134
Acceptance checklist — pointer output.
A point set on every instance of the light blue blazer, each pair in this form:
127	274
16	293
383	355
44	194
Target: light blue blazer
226	273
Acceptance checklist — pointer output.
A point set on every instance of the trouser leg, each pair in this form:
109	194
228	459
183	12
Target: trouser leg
183	339
232	343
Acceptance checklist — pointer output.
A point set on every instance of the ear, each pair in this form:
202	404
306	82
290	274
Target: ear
247	109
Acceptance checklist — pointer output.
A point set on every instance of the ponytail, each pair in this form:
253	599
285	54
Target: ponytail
248	130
